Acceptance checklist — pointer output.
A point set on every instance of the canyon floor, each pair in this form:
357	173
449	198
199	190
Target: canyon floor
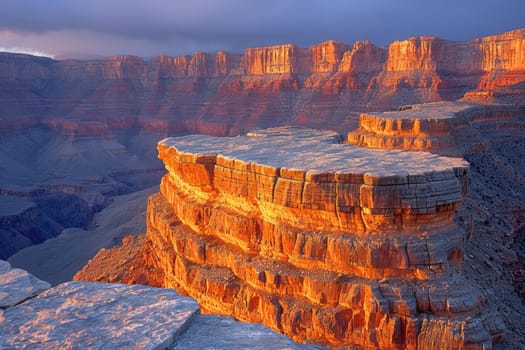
52	185
75	246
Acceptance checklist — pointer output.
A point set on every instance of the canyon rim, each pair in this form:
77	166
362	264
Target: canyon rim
342	194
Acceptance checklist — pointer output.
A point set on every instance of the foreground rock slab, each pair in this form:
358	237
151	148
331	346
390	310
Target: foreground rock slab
436	126
97	316
224	333
17	285
325	242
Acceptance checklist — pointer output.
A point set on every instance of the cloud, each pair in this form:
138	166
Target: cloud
180	27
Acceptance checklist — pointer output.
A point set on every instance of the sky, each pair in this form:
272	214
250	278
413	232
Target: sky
99	28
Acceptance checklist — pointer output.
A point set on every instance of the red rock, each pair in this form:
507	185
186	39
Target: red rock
325	85
434	126
269	238
327	56
280	59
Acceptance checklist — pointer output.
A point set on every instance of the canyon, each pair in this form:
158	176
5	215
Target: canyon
326	85
336	244
98	121
268	227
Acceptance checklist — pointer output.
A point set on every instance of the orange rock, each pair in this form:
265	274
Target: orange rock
327	56
281	59
432	126
288	228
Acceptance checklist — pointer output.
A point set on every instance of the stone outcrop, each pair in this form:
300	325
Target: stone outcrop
125	263
77	315
436	126
223	333
325	242
271	60
17	286
97	315
225	93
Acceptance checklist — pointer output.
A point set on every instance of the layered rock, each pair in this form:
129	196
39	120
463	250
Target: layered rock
319	240
436	126
225	93
503	59
108	315
271	60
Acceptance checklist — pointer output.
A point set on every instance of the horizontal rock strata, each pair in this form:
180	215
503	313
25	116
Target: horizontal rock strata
79	315
325	242
434	126
325	85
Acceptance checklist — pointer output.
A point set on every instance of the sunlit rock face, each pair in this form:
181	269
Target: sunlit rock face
79	315
325	242
437	126
325	85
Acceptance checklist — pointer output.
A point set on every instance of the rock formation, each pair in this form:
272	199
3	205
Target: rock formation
97	109
122	264
94	315
325	242
77	315
436	126
225	93
17	286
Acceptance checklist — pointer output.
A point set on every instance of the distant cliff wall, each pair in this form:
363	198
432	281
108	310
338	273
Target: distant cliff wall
326	85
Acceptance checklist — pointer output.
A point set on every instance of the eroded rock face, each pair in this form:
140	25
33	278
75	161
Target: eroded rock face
77	315
436	126
224	93
122	264
324	242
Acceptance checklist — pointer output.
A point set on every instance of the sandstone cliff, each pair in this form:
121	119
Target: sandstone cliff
451	127
319	240
77	315
224	93
242	237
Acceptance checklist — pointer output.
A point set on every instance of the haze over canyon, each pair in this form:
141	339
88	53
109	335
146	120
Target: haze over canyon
400	226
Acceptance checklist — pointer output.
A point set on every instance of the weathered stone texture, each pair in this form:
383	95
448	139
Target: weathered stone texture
88	315
322	241
434	126
17	285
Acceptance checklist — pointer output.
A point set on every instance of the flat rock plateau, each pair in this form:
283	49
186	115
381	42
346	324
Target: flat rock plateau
335	243
399	226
